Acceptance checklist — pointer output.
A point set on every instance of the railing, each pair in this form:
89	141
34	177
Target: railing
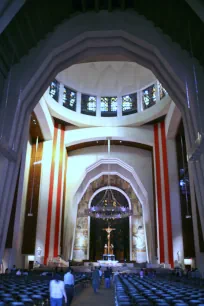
107	106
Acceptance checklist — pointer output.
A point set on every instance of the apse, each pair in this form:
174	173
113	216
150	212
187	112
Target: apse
84	246
113	205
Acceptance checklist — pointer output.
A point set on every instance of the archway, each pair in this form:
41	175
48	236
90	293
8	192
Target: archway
119	237
142	44
138	250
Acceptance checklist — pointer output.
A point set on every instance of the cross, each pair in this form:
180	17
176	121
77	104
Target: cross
108	230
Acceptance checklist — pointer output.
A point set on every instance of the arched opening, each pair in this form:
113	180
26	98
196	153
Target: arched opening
140	235
119	238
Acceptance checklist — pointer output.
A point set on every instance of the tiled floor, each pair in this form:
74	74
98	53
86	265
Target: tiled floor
105	297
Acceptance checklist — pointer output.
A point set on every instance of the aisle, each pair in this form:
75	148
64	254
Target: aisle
105	297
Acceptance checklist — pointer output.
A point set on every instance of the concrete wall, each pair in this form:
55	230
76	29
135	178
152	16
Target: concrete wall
79	160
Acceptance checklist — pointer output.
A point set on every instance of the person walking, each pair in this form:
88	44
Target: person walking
69	286
57	291
100	274
107	276
95	279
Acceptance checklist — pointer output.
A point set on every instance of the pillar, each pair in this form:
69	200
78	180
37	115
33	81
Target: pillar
176	221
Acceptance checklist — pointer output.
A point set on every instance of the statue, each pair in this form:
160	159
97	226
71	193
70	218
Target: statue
112	249
105	249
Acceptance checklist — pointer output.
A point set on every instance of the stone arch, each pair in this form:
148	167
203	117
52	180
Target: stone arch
127	173
82	228
119	35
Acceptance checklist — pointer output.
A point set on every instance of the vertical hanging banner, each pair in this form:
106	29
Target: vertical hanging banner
52	240
163	195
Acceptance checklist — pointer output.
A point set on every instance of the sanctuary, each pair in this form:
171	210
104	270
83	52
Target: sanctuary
101	138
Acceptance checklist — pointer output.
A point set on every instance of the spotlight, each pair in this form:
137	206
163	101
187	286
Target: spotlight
188	216
30	215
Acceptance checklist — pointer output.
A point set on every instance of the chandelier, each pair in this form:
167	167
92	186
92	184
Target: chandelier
108	208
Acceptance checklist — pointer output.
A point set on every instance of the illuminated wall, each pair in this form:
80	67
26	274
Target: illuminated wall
137	228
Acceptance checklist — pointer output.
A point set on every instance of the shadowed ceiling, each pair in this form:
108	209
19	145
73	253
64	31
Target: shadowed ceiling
37	18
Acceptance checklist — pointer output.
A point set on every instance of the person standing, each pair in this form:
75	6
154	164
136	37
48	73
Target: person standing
69	286
95	279
107	276
57	291
100	274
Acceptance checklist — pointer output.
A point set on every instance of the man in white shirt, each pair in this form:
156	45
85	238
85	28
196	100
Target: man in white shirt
69	286
57	291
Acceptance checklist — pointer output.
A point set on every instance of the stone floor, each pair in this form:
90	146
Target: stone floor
105	297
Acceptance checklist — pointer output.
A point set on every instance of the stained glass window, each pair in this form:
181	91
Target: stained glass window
69	98
54	90
149	96
88	105
109	106
162	91
129	104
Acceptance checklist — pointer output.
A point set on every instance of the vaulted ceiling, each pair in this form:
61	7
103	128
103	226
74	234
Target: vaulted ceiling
106	78
37	18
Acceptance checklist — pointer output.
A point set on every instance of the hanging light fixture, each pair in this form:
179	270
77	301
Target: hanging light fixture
108	207
183	183
30	214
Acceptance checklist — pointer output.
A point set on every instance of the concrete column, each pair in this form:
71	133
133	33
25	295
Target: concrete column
199	255
139	101
119	112
78	103
8	173
61	90
157	91
98	106
43	198
177	235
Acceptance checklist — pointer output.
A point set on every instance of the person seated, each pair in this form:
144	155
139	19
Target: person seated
18	273
13	269
141	273
7	271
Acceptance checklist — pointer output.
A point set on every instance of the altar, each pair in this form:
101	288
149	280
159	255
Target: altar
109	263
108	257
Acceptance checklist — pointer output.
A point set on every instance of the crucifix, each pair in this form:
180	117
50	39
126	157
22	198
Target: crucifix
108	230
